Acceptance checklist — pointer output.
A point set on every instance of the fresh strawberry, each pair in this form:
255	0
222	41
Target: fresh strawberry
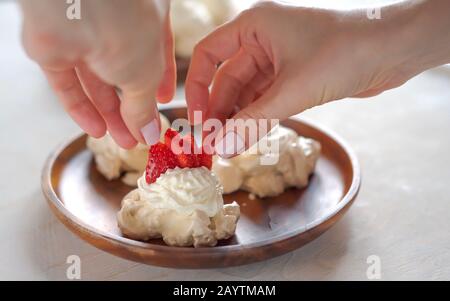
186	152
178	145
205	160
168	137
189	140
160	159
187	160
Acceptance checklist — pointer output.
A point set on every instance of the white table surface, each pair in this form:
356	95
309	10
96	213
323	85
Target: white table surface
402	213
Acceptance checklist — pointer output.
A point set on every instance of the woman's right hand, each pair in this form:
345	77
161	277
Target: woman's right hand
279	60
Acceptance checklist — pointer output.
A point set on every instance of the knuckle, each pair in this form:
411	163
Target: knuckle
110	110
199	46
50	47
134	113
76	106
201	51
249	14
264	6
65	87
229	76
41	46
255	114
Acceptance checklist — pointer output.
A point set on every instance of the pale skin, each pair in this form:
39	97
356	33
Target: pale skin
86	60
275	60
279	60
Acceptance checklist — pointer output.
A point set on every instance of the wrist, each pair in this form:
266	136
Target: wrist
432	27
415	36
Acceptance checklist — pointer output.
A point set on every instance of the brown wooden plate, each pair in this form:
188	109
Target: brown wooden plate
87	204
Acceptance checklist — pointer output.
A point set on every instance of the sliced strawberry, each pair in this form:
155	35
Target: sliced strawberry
190	141
186	152
187	160
160	159
205	160
168	137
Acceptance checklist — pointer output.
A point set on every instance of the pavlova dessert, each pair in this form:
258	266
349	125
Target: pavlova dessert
114	162
178	198
297	157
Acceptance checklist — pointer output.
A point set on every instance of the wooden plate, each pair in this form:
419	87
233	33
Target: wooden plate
87	204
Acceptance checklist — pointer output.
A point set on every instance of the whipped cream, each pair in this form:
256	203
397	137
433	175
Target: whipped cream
183	206
184	190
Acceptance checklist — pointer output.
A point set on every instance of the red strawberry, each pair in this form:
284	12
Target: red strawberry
187	160
190	141
187	154
168	137
205	160
160	159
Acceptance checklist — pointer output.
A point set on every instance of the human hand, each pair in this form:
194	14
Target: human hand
278	60
116	44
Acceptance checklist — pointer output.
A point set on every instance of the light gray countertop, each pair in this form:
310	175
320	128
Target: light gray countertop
402	213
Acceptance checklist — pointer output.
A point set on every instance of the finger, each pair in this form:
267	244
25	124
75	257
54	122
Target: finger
231	77
217	47
107	103
253	90
262	114
368	93
378	90
138	107
247	96
139	111
67	87
167	87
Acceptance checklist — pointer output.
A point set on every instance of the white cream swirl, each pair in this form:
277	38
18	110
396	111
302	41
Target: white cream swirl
184	190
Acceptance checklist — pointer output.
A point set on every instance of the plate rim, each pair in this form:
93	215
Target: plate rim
56	204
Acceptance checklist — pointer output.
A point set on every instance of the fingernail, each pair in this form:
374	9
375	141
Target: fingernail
230	145
151	132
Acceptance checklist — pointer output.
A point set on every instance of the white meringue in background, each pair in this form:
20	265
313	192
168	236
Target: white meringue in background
221	10
191	21
296	162
194	19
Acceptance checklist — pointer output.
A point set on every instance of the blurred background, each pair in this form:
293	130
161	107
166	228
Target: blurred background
401	138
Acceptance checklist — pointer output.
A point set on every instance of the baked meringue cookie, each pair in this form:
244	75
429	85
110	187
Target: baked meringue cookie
191	21
184	207
221	11
297	158
114	162
194	19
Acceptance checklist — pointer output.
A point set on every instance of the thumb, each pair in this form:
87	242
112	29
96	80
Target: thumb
137	72
138	106
140	113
